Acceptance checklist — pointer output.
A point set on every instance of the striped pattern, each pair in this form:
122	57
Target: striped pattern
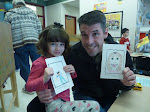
25	26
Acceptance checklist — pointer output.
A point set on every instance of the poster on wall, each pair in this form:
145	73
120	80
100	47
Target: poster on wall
100	6
114	23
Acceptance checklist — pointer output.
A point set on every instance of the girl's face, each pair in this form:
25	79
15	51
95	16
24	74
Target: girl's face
55	49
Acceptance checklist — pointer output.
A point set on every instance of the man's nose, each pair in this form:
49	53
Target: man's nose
90	40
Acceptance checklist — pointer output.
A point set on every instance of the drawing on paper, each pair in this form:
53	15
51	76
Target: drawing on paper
61	78
114	62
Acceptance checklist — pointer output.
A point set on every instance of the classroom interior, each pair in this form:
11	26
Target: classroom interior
132	14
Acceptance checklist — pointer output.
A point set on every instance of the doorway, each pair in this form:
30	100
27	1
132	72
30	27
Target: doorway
70	24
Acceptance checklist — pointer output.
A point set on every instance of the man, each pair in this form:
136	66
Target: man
86	58
25	27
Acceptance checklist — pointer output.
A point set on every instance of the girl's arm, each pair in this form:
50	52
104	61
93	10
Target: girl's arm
35	80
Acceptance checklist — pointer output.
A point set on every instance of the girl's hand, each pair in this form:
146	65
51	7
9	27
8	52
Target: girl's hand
48	72
69	68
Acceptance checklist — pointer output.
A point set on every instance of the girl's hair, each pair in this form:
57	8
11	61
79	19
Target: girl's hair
53	33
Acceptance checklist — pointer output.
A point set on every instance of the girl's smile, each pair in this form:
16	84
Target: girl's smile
55	49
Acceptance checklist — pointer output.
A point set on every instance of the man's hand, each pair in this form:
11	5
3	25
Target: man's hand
129	77
46	96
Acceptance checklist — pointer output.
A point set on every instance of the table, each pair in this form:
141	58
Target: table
133	101
134	54
144	57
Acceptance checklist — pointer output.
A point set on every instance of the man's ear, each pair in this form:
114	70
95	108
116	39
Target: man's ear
106	33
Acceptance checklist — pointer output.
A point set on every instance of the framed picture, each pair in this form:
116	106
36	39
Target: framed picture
114	23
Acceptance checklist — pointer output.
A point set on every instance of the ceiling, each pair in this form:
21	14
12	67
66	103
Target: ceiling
73	3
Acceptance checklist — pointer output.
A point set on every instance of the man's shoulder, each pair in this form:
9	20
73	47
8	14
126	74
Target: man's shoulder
76	46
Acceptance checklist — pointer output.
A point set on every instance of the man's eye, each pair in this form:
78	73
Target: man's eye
83	35
95	34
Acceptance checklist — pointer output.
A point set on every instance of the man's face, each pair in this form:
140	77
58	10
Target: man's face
92	38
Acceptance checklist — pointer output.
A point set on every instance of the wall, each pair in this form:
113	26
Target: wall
53	14
57	12
129	8
143	25
147	10
1	5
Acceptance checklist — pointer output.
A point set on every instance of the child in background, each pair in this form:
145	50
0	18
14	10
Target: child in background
53	42
124	39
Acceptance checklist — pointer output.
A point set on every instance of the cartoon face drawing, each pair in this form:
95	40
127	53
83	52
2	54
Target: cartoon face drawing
114	62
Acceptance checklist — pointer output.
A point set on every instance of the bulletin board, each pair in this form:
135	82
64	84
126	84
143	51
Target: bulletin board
7	64
114	22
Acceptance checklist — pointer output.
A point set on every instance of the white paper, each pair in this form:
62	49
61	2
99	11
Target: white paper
143	81
61	80
113	61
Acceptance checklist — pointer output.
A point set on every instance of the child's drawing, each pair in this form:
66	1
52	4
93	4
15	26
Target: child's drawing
61	80
114	63
61	77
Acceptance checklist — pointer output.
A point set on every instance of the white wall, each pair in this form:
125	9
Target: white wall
53	14
57	12
129	8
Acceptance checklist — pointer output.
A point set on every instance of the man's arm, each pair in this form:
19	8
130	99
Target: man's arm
46	96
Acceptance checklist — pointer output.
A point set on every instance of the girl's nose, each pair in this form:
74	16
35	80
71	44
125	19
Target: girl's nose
57	47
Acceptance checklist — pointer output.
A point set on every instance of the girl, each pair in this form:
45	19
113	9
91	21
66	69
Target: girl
54	41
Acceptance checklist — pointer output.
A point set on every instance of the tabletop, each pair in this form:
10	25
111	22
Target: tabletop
134	54
133	101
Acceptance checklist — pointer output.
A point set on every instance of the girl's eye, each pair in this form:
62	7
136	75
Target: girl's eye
53	43
62	44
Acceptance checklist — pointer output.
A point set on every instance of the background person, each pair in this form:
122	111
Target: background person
86	57
125	39
25	27
145	48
